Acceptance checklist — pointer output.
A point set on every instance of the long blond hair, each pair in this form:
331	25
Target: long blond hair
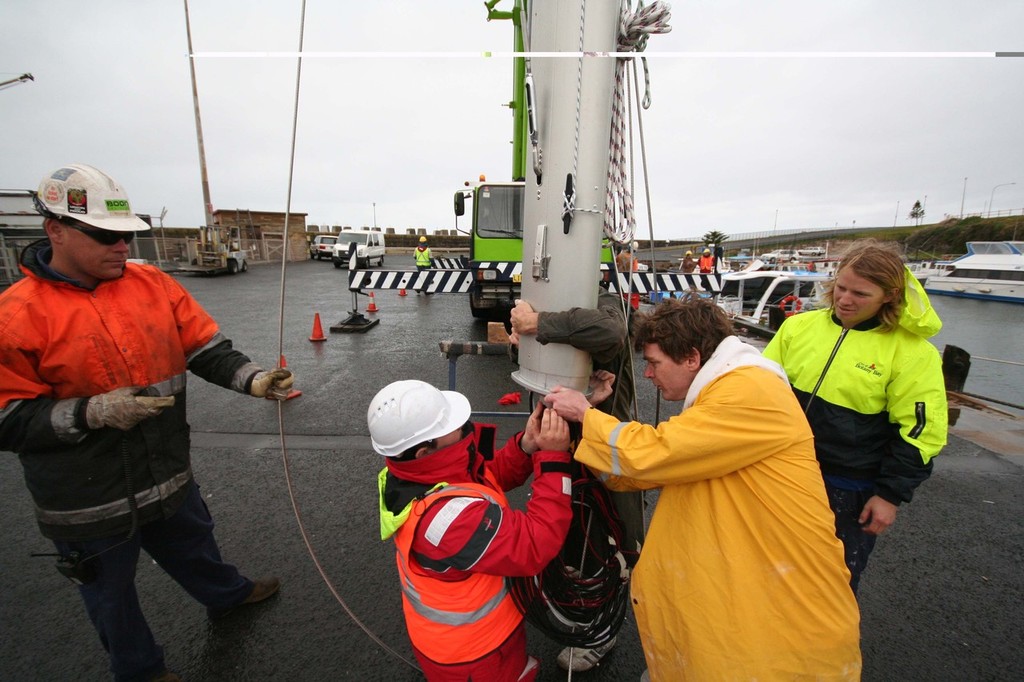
881	264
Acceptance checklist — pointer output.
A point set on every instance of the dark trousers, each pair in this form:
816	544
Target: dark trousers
184	547
857	545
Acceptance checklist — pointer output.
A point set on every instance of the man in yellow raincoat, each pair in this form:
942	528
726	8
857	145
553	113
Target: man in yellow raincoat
741	576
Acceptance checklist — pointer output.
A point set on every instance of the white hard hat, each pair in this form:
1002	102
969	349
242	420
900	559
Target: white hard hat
410	412
88	195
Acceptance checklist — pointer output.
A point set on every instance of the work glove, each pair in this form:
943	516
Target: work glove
273	384
122	409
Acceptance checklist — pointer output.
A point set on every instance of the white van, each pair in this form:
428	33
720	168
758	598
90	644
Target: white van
369	246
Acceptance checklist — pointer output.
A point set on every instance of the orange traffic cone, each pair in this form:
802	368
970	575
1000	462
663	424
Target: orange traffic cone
292	393
371	307
401	292
318	330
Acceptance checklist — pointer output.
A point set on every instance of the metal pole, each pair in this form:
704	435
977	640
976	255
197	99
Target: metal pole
962	197
993	196
160	238
897	216
23	78
207	205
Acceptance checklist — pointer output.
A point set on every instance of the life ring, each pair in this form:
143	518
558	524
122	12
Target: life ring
798	305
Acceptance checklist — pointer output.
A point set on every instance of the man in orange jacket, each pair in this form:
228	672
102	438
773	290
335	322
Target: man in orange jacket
94	354
706	262
442	498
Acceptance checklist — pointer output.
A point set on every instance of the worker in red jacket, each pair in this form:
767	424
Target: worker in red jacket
442	498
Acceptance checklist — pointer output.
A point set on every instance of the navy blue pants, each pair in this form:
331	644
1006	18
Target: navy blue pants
184	547
857	545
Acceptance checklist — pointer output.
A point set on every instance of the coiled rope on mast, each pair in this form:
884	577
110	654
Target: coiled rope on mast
634	30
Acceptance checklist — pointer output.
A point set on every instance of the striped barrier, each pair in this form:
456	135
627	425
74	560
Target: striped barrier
428	281
458	263
645	283
457	281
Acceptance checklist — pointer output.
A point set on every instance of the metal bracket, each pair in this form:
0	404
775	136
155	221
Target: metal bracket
541	258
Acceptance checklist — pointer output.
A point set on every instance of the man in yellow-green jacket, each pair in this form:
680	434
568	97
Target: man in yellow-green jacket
741	576
871	385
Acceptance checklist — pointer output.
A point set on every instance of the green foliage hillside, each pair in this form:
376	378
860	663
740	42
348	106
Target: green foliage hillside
947	239
950	238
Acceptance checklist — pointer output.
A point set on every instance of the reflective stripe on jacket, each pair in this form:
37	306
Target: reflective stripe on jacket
453	621
422	255
61	344
880	410
741	576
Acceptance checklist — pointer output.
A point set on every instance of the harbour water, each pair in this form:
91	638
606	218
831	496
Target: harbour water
993	333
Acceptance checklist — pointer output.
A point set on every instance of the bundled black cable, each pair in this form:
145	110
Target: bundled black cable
580	598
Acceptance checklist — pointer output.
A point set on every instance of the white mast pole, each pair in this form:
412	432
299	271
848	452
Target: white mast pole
573	107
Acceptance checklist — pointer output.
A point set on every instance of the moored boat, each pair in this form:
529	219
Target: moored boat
990	271
748	296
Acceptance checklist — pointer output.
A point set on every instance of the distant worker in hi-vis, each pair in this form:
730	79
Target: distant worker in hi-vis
706	262
94	352
422	255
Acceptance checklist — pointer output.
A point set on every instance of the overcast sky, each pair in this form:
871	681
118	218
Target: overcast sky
735	143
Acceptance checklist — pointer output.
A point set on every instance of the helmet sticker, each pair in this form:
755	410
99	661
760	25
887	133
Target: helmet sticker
78	202
63	173
118	206
53	193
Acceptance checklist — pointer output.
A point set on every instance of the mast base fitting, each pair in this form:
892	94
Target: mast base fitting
356	323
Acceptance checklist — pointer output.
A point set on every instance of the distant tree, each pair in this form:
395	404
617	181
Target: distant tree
715	238
917	212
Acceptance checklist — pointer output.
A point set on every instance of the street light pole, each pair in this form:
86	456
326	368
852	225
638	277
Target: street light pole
962	197
375	215
993	195
897	216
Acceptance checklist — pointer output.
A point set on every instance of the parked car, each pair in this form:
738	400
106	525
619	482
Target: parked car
322	245
369	247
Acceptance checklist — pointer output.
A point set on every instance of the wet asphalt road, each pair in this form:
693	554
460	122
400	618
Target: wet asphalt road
942	599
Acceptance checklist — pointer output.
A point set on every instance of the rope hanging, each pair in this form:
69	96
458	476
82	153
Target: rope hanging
280	349
634	30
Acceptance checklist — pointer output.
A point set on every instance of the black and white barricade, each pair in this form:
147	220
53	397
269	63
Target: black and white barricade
451	276
446	276
651	284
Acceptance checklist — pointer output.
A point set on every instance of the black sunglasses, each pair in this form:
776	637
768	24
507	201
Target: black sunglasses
105	237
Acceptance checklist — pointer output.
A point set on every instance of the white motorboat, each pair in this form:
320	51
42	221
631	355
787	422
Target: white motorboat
749	296
923	270
990	271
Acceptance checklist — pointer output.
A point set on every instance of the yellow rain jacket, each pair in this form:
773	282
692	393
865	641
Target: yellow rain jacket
741	576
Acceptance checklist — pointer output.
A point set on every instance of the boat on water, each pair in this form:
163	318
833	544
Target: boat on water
990	271
925	269
751	296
